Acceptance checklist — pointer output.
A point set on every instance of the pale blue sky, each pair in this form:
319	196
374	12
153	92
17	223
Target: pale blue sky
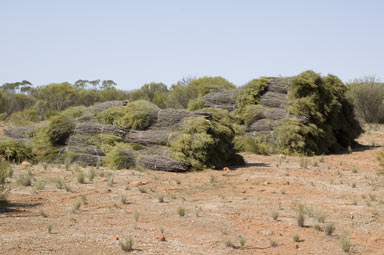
136	42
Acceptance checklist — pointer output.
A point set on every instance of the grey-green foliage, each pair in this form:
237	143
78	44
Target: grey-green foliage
15	151
4	169
122	156
251	93
135	115
206	144
326	122
59	129
367	95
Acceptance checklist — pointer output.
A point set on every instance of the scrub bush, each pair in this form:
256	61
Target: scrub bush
15	151
122	156
59	129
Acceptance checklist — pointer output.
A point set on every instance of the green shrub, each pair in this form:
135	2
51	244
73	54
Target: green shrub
139	115
4	170
330	125
42	147
15	151
59	129
3	116
251	93
257	145
205	85
113	115
196	104
105	142
367	96
122	156
74	111
251	113
205	144
24	117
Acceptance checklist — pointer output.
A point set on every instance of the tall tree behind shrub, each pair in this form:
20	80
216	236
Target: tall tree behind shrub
367	95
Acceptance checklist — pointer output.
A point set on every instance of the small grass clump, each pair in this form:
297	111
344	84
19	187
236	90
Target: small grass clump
80	177
275	215
24	180
124	200
228	243
296	237
273	243
50	228
181	211
91	174
142	190
126	244
76	206
60	183
329	228
161	198
345	243
242	241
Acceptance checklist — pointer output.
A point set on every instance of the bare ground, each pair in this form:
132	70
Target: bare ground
220	208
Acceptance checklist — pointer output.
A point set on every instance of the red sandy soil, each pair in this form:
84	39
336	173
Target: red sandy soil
219	207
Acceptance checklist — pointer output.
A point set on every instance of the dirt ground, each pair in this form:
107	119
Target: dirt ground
225	212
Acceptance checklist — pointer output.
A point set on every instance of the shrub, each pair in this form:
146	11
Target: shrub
205	144
251	93
329	228
122	156
327	123
24	180
139	115
205	85
105	142
24	117
257	145
345	243
126	244
59	129
15	151
42	147
4	169
113	115
367	96
196	104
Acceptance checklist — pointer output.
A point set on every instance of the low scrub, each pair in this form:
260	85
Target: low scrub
206	144
59	129
122	156
326	122
4	173
367	96
15	151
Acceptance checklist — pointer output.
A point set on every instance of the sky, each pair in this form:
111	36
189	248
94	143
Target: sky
135	42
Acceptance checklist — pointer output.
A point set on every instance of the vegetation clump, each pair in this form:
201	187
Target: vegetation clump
206	144
325	120
15	151
251	93
122	156
59	129
4	173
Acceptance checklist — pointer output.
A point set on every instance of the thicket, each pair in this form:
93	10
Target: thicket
367	95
